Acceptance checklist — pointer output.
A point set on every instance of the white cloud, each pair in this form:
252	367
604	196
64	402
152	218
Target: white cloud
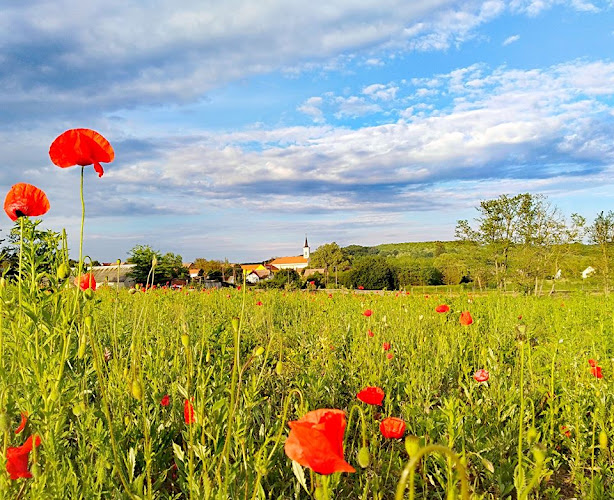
312	108
355	107
511	39
379	91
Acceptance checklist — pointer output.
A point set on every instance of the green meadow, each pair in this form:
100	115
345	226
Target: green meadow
91	369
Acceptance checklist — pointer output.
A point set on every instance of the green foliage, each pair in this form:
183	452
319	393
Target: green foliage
373	273
153	267
286	278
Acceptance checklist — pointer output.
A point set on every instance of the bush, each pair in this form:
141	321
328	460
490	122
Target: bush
374	273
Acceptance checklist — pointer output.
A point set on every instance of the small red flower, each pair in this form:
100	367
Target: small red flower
312	283
481	375
166	400
17	458
390	355
596	371
25	200
386	346
367	313
87	281
360	287
465	318
565	430
371	395
370	333
592	362
330	295
392	428
259	303
443	308
316	441
81	146
188	412
22	424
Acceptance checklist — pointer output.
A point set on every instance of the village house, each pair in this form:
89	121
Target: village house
298	263
114	275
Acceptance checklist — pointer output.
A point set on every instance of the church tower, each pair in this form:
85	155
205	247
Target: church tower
306	249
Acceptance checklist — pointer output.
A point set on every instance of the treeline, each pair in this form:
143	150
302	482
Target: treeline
517	242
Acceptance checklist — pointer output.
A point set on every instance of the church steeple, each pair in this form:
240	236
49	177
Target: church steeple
306	249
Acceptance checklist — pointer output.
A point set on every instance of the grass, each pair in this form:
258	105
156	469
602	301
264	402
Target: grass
91	379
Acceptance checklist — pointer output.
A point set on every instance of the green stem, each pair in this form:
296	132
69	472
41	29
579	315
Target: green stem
409	470
20	264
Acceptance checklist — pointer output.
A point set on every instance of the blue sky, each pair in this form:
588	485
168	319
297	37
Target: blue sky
240	126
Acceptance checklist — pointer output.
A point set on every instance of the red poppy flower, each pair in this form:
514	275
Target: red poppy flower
316	441
17	459
390	355
165	401
22	424
565	430
371	395
481	375
87	281
188	412
360	287
392	428
443	308
592	362
25	200
259	303
465	318
596	371
386	346
81	146
368	312
370	333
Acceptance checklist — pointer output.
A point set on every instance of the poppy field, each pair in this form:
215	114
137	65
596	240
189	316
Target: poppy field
249	394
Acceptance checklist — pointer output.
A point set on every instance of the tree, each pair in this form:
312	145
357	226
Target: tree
601	233
374	273
285	278
154	268
329	257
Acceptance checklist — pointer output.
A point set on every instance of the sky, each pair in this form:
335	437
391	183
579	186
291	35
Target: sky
241	127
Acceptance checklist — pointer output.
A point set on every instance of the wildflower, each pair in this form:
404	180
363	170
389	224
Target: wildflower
107	354
81	146
386	346
25	200
481	375
360	287
370	333
465	318
390	355
316	441
188	412
392	428
22	424
443	308
596	371
17	458
86	281
371	395
565	430
367	313
166	400
592	362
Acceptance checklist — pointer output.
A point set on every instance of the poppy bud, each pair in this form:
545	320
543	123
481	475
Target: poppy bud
88	322
63	271
603	440
279	368
412	445
208	356
35	470
235	324
531	435
154	261
185	340
2	283
82	346
132	291
89	294
78	409
137	390
54	395
118	262
364	458
4	422
259	351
